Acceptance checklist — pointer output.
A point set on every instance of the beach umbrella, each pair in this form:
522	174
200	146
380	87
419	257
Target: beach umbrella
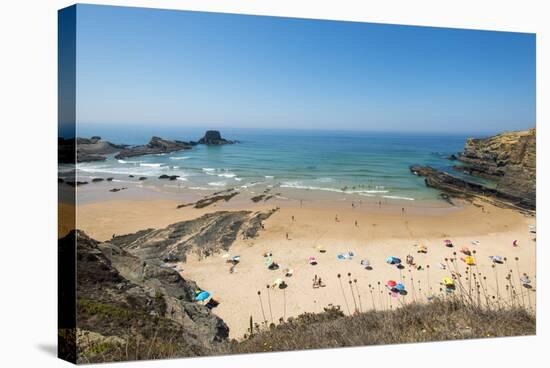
236	258
391	283
312	260
470	261
422	249
465	250
448	281
268	261
340	256
496	259
400	287
203	295
365	262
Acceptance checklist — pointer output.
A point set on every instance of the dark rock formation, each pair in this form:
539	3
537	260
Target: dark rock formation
452	157
114	190
95	149
205	235
509	159
97	180
156	145
74	183
164	176
225	195
142	178
121	296
456	187
213	137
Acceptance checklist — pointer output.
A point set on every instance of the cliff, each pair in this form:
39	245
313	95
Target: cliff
509	159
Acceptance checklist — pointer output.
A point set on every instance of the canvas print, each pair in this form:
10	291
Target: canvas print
236	184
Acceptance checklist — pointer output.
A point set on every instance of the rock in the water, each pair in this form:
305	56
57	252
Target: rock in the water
457	187
95	149
96	180
213	137
155	146
142	178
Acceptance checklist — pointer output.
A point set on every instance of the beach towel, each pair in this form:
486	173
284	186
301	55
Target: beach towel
341	256
475	242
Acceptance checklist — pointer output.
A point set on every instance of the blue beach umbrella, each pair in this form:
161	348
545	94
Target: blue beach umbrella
203	295
400	287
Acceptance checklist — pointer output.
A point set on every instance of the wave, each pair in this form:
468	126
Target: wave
238	179
151	165
180	158
122	162
398	197
227	175
200	188
269	177
328	189
218	184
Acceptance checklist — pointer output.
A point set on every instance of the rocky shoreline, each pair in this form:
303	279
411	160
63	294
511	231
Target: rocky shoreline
509	159
96	149
131	283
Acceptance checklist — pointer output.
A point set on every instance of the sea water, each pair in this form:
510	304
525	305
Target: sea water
370	164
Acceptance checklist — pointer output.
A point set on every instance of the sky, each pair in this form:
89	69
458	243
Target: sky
143	67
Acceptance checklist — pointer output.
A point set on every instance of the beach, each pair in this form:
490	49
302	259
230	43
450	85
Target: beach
370	228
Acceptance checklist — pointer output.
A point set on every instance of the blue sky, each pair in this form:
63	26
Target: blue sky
172	68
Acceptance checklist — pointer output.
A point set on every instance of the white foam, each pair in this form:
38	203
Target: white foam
180	158
182	179
269	177
151	165
218	183
200	188
238	179
398	197
122	162
208	169
227	175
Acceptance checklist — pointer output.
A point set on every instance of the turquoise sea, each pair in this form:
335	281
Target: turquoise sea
364	163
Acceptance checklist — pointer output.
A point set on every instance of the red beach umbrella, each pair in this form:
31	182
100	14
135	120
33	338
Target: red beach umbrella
391	283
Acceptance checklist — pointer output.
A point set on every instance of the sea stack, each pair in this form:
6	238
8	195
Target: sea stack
213	137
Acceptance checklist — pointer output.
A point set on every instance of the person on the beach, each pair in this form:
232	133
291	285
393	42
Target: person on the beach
355	223
336	218
379	204
286	236
315	282
292	217
402	210
301	202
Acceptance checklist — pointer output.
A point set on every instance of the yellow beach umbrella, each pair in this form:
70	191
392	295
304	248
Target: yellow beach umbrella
448	281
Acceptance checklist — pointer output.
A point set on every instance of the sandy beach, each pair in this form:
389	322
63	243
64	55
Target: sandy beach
366	228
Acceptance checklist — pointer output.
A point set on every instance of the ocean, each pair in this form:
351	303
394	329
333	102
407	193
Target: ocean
369	164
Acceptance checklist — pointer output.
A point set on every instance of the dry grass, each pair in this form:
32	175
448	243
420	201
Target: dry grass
448	319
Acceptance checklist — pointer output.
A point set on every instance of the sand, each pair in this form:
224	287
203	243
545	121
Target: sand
380	232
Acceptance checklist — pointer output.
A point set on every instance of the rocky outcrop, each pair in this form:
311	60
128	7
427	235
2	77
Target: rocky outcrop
213	137
155	146
452	186
204	236
121	297
95	149
509	159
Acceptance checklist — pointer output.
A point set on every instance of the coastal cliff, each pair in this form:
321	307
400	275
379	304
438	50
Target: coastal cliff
129	290
509	159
